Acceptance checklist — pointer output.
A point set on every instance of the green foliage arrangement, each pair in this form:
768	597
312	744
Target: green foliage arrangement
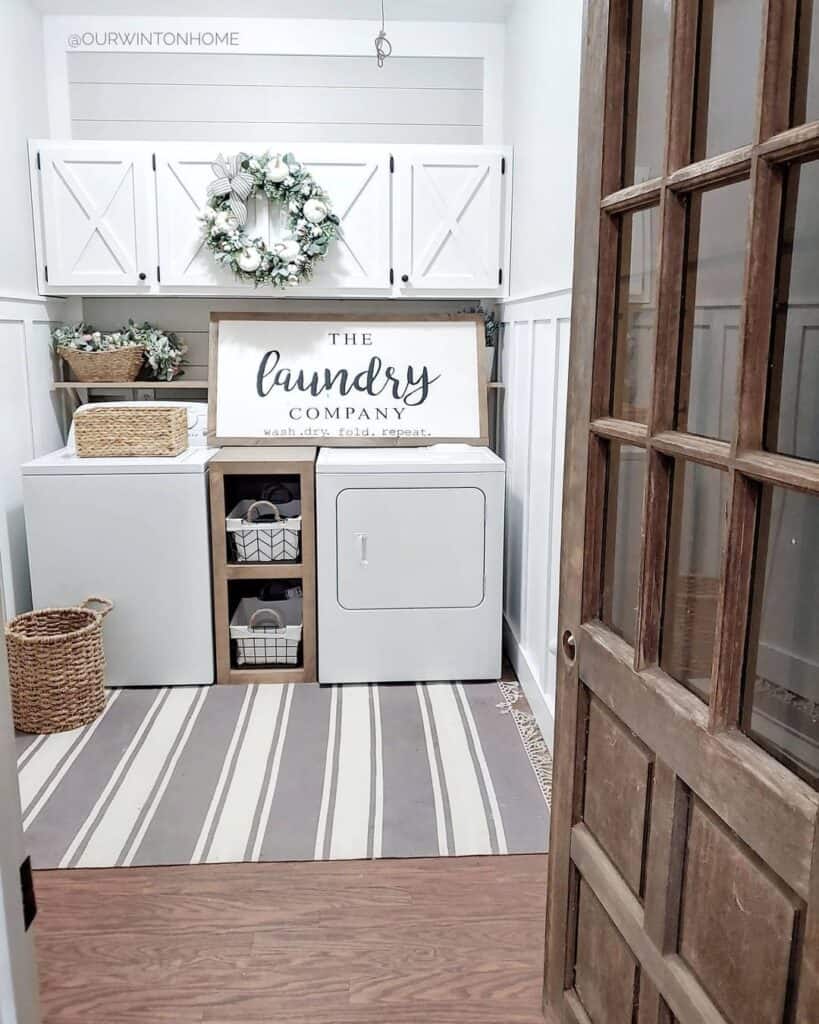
164	352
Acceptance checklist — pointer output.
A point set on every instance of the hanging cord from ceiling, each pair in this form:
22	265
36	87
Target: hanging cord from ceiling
383	47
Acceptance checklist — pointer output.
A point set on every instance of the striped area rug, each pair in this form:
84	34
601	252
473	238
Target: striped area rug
297	772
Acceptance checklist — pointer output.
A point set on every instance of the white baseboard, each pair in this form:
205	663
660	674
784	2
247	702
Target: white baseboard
544	714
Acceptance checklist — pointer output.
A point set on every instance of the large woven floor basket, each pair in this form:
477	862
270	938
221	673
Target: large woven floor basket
110	366
57	667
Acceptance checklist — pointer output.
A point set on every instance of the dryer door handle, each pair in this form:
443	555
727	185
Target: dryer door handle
362	548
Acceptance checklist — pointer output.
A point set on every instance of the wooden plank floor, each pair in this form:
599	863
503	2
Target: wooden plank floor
444	941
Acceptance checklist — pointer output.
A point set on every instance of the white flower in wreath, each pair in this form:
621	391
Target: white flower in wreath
315	211
288	249
277	170
224	223
207	214
249	260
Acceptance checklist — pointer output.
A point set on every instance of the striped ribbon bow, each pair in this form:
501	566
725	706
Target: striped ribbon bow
233	182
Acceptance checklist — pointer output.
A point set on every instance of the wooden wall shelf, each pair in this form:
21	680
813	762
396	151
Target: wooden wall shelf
269	462
130	385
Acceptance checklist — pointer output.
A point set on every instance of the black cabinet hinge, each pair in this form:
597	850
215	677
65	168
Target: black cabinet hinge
500	275
39	165
503	165
153	160
27	889
392	276
158	277
392	164
45	268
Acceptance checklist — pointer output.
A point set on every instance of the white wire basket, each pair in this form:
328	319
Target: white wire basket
268	632
257	532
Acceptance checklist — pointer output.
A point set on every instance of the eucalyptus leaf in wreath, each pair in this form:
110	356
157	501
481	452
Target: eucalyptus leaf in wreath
311	224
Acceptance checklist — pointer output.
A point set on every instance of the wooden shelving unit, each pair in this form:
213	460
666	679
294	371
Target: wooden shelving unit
270	462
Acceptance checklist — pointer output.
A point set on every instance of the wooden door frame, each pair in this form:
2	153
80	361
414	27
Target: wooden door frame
781	813
19	992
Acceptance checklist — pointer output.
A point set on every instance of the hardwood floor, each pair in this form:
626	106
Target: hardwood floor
445	941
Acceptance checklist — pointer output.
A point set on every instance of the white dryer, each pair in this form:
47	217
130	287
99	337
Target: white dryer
410	563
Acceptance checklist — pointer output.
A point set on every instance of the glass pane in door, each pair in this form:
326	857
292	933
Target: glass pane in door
698	501
793	399
622	542
650	27
806	80
636	314
715	272
730	41
782	680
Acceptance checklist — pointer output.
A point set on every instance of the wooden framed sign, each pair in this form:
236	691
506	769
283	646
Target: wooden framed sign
329	379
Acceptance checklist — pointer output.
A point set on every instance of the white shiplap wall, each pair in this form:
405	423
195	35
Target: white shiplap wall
190	318
224	96
534	359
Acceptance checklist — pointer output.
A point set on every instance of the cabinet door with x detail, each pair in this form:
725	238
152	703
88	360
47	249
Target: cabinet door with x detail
451	211
97	217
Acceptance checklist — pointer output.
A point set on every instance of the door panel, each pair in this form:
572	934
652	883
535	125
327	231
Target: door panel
450	215
684	831
411	548
97	216
359	187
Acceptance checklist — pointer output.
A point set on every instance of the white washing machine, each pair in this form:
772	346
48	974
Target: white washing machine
134	530
410	563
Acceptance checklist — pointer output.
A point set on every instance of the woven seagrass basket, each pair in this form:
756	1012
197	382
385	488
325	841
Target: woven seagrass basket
57	667
128	431
116	364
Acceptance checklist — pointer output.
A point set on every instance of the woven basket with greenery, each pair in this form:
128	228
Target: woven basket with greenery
99	356
57	667
116	364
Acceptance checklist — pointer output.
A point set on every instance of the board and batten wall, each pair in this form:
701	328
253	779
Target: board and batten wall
272	78
26	420
29	420
542	86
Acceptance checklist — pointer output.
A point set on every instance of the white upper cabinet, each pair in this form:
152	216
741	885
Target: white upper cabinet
415	221
357	179
97	217
450	219
358	183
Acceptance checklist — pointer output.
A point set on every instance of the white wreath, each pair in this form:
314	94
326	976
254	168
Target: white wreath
312	225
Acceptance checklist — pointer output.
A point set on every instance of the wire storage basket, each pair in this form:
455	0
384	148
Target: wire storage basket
57	667
259	533
268	632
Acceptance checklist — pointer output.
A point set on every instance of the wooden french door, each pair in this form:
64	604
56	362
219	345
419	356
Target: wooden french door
684	866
